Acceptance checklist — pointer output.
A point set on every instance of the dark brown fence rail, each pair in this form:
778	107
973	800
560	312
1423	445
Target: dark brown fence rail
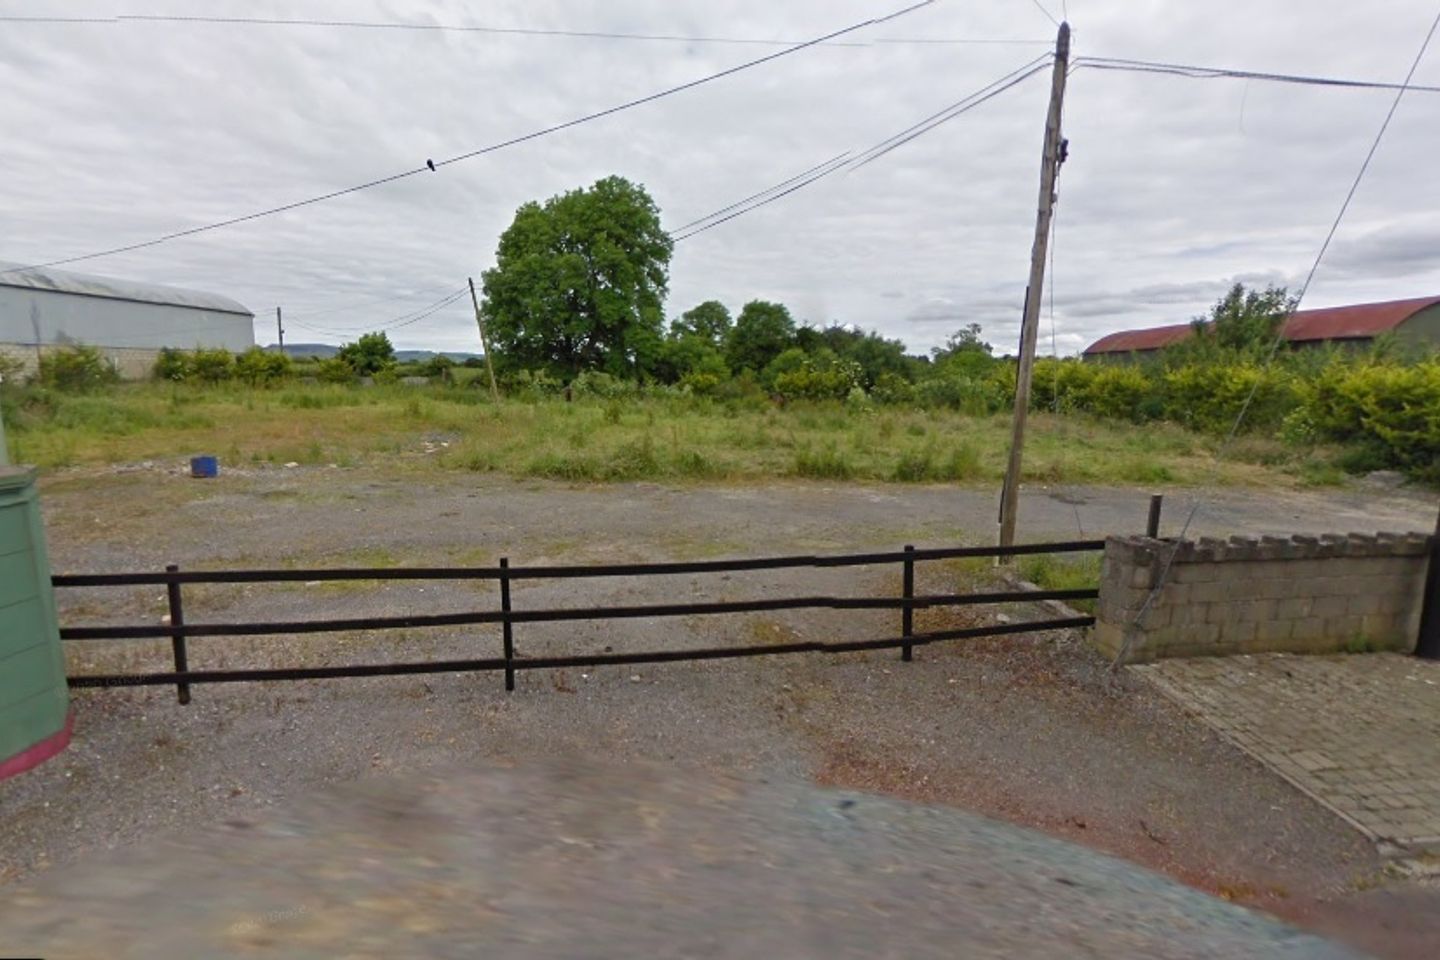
178	630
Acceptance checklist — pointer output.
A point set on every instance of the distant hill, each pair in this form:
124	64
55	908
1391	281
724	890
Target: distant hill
326	350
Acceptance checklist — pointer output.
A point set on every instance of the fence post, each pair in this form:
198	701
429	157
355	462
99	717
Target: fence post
1427	645
907	613
507	632
177	640
1152	525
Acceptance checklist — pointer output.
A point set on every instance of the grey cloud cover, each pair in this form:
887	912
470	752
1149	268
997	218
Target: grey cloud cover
116	133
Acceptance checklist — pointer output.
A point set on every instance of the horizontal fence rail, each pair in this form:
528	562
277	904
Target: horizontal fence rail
178	630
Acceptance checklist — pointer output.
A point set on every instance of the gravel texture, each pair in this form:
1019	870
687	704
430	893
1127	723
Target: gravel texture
1031	729
579	859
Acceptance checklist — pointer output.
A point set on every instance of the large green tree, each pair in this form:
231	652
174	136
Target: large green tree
761	333
709	321
579	283
1246	320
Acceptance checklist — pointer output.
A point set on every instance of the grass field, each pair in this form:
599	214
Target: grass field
675	438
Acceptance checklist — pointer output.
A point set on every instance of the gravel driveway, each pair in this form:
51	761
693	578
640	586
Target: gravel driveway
1030	729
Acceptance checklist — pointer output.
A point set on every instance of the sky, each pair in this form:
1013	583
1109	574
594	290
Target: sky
120	131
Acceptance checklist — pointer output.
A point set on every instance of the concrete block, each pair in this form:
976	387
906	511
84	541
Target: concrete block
1377	627
1107	638
1308	628
1238	631
1281	588
1274	631
1217	590
1295	608
1330	606
1364	604
1198	634
1259	611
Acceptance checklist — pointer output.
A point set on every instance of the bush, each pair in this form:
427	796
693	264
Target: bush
259	367
1210	397
77	368
211	366
171	365
1391	412
334	370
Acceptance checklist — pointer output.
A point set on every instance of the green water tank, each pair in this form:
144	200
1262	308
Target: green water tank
35	717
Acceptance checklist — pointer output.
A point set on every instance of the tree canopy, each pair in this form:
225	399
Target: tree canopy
580	282
762	332
1245	320
368	355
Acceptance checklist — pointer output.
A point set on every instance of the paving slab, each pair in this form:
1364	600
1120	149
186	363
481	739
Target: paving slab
1359	733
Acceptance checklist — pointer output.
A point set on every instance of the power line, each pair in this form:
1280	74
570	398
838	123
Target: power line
866	156
1280	329
429	166
1213	73
754	196
531	31
414	26
394	323
365	303
1048	15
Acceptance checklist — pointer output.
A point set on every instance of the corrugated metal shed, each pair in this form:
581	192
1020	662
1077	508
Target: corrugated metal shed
1361	321
110	288
1151	338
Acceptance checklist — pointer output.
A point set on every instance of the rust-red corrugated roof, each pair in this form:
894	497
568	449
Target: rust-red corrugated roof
1152	338
1361	320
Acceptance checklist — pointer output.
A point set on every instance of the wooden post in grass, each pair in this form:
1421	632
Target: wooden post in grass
484	343
1053	156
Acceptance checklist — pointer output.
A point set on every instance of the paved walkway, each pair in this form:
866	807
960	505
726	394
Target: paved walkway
1360	734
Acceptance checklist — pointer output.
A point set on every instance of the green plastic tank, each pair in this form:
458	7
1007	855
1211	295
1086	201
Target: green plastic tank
35	718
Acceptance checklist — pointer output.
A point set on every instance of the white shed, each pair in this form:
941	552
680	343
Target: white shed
42	309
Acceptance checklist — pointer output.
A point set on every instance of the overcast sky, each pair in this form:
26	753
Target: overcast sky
115	133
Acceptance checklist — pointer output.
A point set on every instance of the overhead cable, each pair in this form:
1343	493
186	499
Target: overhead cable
1279	338
431	166
1213	73
849	161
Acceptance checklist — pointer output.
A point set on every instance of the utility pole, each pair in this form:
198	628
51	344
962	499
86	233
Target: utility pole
484	343
280	329
1053	156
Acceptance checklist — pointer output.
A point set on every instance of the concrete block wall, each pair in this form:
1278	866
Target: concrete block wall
132	363
1272	594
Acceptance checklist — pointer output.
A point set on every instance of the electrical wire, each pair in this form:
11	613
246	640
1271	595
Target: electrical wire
1279	339
1214	73
428	291
401	25
1048	15
394	323
866	156
429	166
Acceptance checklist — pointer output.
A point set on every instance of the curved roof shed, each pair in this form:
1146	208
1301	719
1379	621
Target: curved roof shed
47	306
1415	320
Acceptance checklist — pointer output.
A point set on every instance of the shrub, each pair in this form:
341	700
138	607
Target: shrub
259	367
368	355
334	370
211	366
77	368
171	364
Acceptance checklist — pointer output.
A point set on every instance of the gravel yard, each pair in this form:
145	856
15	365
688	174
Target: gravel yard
1031	729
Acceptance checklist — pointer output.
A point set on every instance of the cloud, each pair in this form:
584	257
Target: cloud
119	133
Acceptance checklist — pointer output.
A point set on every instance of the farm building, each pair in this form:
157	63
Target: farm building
43	310
1415	322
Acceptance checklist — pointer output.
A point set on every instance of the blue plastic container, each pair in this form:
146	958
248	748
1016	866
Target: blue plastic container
204	467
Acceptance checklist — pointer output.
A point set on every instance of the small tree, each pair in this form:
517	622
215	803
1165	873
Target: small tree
369	355
259	367
761	333
1246	321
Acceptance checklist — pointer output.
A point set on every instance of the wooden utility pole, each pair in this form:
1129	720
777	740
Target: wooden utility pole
280	329
484	343
1053	156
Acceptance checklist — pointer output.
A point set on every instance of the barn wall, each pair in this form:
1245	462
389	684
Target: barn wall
132	363
1422	328
122	324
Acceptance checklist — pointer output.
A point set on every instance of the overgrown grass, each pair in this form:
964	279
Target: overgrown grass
1051	572
676	438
